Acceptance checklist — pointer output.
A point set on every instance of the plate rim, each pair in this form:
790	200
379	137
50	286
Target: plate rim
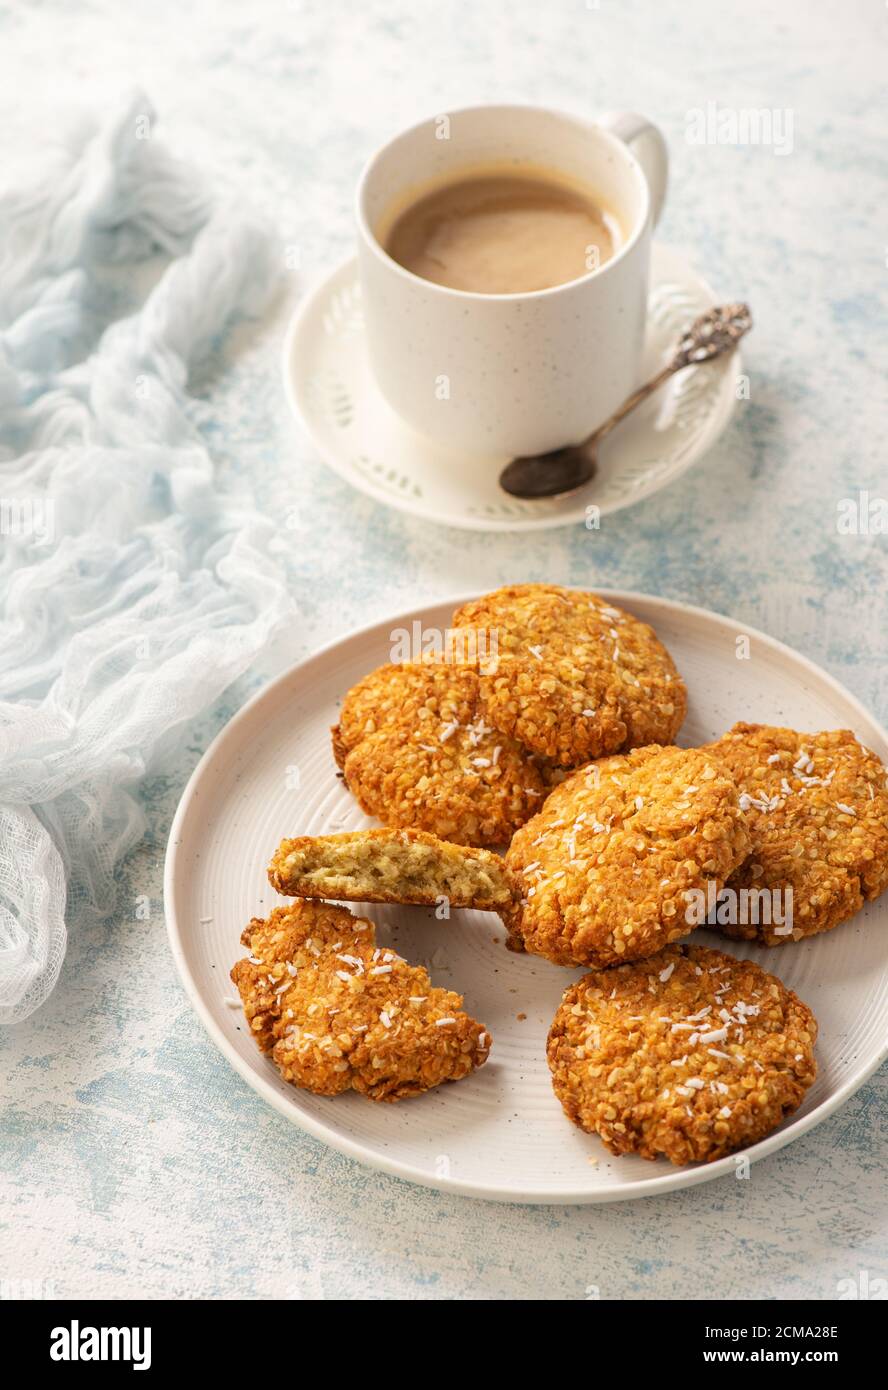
348	268
689	1176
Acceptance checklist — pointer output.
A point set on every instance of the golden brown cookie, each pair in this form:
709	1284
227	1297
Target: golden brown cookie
573	676
817	810
418	752
607	862
390	866
691	1054
337	1012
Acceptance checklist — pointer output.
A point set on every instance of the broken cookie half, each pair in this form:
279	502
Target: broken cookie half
391	866
336	1012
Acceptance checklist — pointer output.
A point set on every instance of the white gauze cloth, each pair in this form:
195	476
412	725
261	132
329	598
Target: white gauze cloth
133	587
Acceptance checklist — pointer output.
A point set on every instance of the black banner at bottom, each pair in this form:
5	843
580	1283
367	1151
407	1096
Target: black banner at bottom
144	1337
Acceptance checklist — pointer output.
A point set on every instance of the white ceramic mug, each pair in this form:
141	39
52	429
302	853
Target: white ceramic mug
500	375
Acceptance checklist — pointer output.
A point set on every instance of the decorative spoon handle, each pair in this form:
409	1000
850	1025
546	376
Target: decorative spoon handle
717	331
562	471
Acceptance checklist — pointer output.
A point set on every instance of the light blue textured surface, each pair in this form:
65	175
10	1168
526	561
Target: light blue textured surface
133	1160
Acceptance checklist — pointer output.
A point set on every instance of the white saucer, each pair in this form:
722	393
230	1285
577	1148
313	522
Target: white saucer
331	388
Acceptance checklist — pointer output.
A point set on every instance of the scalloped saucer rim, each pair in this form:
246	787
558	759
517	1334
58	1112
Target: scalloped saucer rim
331	390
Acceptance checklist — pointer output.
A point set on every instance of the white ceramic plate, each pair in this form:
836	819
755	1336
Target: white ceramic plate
500	1133
331	388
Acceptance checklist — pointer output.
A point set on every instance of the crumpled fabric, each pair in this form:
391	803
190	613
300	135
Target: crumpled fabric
134	587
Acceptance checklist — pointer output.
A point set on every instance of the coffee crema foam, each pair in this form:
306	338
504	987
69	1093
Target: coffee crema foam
503	232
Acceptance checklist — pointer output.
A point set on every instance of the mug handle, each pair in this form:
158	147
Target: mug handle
649	148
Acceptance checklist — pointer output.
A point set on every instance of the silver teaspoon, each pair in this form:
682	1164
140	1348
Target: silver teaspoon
565	470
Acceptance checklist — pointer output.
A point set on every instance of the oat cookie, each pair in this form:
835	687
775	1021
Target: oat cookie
606	864
817	810
690	1054
390	866
337	1013
418	752
574	677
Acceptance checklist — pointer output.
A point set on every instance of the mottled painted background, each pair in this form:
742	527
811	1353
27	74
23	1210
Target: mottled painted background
134	1161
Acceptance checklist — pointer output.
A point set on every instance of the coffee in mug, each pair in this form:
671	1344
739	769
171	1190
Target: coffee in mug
502	230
